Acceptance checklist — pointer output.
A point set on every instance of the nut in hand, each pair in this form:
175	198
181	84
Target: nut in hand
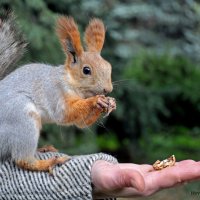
169	162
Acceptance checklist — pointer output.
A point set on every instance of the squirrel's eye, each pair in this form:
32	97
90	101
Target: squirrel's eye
86	70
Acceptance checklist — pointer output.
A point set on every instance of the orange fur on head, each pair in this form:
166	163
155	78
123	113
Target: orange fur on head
67	30
95	35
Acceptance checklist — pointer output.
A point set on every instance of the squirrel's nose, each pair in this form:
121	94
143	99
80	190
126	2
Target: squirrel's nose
107	90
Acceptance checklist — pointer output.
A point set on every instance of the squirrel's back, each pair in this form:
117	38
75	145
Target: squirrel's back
12	44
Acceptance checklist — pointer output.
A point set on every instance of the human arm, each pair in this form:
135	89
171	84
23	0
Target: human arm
71	181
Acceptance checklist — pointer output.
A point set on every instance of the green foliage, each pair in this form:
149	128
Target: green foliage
108	141
181	141
156	26
166	73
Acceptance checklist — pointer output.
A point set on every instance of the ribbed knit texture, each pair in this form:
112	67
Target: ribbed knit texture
70	181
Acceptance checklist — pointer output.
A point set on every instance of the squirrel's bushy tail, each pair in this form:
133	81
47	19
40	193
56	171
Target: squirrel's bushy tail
12	44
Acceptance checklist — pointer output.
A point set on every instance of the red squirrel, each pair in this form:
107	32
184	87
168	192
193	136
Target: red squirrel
35	94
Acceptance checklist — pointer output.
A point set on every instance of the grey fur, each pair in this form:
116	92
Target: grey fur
12	44
33	88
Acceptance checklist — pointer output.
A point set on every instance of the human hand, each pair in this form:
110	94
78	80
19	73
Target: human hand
131	180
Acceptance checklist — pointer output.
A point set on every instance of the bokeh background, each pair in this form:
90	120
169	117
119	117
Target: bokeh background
154	48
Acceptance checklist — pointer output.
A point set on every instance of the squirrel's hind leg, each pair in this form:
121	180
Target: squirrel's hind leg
41	165
25	135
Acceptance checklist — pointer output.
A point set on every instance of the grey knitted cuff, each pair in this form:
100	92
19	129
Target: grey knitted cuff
70	181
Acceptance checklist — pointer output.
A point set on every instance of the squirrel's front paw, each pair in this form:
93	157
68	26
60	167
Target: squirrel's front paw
107	104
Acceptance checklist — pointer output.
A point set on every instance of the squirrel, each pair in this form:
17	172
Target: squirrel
34	94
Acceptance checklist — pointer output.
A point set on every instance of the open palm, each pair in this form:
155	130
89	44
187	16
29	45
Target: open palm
131	180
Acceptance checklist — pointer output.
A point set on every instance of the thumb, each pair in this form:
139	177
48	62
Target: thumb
108	177
130	178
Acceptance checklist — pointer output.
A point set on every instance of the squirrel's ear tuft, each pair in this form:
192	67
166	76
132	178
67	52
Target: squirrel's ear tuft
95	35
69	35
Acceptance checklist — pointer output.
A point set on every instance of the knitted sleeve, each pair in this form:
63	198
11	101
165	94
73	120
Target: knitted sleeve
70	181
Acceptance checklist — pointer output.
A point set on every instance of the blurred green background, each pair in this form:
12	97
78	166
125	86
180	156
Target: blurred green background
154	48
